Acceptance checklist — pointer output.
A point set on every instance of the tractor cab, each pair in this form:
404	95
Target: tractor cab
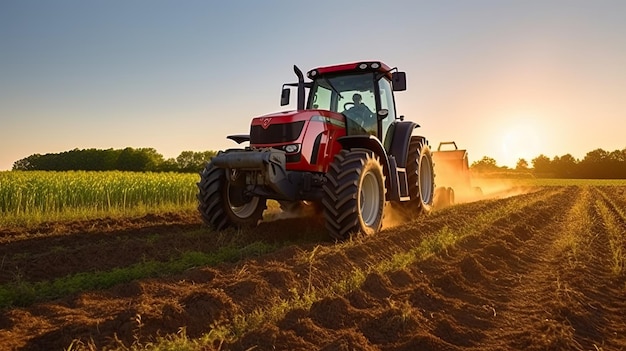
361	92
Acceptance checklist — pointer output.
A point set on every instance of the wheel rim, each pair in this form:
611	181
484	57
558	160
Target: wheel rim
369	199
246	210
425	179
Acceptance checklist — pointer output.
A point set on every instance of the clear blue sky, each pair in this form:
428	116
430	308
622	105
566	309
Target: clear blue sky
505	79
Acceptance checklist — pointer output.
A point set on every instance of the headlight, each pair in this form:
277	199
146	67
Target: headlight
291	148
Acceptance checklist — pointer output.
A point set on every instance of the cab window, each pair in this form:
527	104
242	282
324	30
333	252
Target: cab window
322	99
386	102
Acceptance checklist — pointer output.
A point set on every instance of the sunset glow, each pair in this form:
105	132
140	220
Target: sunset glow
504	79
523	139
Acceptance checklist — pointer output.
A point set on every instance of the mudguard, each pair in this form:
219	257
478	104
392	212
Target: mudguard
400	141
366	142
239	138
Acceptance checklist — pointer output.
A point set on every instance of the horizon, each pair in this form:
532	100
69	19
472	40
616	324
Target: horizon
529	161
503	80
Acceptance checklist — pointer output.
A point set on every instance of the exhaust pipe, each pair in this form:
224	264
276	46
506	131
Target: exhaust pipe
300	87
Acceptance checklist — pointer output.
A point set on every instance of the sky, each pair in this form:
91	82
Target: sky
504	79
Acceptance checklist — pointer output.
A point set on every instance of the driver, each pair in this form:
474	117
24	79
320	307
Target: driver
360	118
360	109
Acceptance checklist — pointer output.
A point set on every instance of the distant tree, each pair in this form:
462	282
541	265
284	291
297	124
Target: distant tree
190	161
597	157
128	159
169	165
616	166
621	156
542	166
486	164
139	160
522	165
27	164
565	166
602	164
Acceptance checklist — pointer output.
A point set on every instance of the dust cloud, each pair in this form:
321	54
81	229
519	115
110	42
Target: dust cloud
470	188
493	188
393	216
290	210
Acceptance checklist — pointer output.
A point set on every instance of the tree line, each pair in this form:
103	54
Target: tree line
597	164
128	159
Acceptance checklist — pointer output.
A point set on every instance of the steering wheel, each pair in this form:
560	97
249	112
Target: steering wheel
347	104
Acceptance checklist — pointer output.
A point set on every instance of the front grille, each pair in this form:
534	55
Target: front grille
276	133
293	158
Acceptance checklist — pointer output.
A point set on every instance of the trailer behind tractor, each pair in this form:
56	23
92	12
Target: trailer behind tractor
453	175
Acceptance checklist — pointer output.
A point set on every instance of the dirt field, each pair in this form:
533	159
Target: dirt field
534	271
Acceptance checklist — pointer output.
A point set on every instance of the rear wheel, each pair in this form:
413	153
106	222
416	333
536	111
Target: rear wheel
223	203
354	194
421	178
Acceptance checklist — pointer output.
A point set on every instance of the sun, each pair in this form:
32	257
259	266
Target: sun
519	140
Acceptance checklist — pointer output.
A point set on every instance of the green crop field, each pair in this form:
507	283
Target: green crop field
34	197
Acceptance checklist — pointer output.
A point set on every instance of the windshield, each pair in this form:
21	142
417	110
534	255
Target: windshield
324	97
351	95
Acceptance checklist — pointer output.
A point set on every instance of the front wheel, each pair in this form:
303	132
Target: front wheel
223	203
354	194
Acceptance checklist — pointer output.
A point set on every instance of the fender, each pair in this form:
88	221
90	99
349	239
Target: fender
239	138
400	141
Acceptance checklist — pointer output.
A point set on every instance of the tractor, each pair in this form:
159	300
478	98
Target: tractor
345	151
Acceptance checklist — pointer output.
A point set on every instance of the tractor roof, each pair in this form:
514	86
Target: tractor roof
364	66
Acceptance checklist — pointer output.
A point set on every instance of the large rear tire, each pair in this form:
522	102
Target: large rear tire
224	204
354	194
421	178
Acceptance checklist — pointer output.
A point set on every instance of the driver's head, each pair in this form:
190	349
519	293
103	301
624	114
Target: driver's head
356	98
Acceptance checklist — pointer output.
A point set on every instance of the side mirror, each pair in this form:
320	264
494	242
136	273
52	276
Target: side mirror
284	97
398	80
382	114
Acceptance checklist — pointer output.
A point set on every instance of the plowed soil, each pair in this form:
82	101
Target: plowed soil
536	271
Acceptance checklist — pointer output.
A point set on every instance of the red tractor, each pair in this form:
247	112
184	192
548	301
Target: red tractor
345	150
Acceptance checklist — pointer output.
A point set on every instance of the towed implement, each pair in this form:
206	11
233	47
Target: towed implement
344	151
453	175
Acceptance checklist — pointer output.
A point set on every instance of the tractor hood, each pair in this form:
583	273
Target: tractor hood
289	126
296	116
